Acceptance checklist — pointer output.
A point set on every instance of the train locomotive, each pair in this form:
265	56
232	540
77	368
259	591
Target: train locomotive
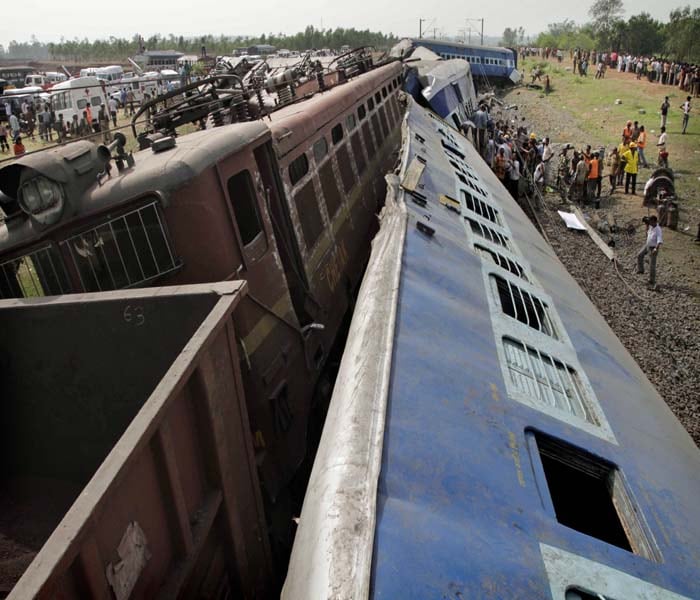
280	189
489	436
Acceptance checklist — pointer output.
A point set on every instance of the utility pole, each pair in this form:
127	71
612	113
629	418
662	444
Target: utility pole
420	27
470	29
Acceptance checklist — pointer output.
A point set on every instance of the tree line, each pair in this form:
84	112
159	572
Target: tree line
118	49
678	39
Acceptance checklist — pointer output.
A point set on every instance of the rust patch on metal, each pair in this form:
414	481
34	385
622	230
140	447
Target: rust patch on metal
515	453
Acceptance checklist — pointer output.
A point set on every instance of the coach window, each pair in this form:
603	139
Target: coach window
369	142
378	98
361	112
246	211
309	213
337	134
350	122
320	149
298	168
384	92
370	104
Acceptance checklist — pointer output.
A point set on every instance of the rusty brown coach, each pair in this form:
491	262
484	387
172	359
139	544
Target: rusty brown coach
287	203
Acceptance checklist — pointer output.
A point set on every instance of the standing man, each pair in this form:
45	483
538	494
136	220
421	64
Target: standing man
14	126
480	121
592	182
641	144
663	153
631	168
130	102
686	113
665	105
651	247
113	110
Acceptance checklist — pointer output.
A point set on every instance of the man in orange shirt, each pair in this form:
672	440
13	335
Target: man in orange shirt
627	132
592	182
641	144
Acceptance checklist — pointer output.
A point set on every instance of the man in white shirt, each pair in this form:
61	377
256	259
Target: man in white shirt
113	110
686	113
661	145
651	247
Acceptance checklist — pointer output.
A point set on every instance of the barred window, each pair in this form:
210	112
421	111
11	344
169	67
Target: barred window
127	251
478	206
38	273
502	261
487	233
546	380
523	306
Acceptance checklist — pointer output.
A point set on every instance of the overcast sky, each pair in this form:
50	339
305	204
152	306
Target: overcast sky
123	18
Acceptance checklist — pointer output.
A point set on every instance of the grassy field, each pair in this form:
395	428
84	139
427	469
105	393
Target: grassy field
591	105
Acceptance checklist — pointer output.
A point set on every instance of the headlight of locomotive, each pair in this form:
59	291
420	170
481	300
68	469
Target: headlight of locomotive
42	199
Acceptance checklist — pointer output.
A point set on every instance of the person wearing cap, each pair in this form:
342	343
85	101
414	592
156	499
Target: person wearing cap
621	151
631	168
651	247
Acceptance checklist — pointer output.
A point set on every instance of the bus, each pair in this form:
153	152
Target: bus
15	75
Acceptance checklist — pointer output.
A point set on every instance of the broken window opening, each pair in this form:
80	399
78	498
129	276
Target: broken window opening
589	495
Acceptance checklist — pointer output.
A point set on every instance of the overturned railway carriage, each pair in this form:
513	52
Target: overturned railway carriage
489	436
288	204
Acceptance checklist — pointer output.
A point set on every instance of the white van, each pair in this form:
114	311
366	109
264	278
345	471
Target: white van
151	83
44	80
110	73
70	97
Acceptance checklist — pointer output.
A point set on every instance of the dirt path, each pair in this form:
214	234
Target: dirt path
661	329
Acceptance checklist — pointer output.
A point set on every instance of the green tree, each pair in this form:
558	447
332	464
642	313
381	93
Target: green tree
605	15
510	37
643	35
683	34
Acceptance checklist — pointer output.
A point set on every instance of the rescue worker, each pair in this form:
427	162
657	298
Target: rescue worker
631	168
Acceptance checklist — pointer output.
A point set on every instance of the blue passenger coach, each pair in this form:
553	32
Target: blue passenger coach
492	62
489	436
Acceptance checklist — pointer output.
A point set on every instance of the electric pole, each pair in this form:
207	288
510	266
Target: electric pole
420	27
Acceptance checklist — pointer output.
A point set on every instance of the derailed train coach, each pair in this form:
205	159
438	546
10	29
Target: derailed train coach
489	436
287	203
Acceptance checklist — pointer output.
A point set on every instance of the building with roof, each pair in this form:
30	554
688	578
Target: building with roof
158	59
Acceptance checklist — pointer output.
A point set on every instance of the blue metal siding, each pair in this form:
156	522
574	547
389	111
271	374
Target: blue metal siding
463	505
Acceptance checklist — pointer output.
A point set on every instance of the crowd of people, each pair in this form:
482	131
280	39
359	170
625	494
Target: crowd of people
517	157
36	118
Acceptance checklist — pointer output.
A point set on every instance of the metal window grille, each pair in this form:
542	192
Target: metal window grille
127	251
523	306
502	261
487	233
546	380
480	207
39	273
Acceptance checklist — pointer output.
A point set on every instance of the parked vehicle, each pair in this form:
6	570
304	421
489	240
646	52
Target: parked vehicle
45	80
71	97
